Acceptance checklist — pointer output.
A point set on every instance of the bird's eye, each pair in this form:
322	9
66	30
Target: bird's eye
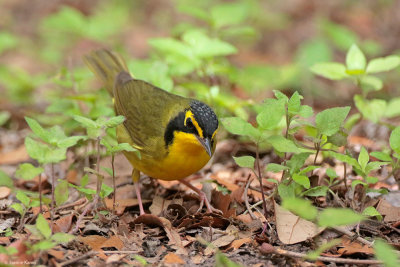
189	123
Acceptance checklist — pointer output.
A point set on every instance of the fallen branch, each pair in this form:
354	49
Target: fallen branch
246	199
269	249
351	234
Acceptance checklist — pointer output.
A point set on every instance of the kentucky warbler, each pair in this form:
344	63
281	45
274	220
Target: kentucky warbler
175	135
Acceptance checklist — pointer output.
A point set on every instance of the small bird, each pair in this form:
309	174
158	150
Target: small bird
176	136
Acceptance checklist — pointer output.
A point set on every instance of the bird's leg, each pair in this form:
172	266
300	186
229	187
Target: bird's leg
203	197
135	178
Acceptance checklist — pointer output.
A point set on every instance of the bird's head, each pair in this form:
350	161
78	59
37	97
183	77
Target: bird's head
197	122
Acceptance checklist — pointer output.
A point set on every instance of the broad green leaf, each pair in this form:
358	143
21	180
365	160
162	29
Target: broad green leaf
374	165
355	59
345	158
305	111
373	109
297	161
288	191
381	156
5	180
27	171
331	173
339	138
236	125
394	140
383	64
372	212
386	253
84	180
114	121
301	180
18	207
318	191
70	141
308	169
21	196
294	103
245	161
227	14
108	170
371	83
330	70
86	122
280	96
354	183
43	226
4	115
331	217
393	108
62	237
38	129
363	158
282	144
43	153
328	122
105	190
273	167
271	114
300	207
61	192
43	245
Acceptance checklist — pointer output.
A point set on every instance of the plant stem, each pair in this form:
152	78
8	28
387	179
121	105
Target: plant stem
113	178
261	183
98	185
40	193
52	196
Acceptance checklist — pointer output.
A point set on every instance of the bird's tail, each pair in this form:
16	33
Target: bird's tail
106	65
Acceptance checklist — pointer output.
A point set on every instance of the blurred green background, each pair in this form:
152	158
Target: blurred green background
231	54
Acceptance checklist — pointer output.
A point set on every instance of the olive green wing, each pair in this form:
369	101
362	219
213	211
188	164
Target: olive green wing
147	110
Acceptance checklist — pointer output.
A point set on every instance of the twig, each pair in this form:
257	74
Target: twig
52	197
345	176
121	252
268	249
73	260
76	203
78	222
261	183
98	185
246	199
40	193
113	178
351	234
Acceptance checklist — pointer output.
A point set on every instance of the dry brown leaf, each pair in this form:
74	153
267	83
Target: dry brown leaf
172	258
160	204
97	242
390	212
113	242
197	259
63	224
56	254
238	243
351	247
121	204
293	229
15	156
4	192
115	258
219	242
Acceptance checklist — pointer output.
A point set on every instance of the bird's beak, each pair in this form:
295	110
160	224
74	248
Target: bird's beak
206	143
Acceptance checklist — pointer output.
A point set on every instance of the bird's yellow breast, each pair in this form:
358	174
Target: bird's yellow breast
185	156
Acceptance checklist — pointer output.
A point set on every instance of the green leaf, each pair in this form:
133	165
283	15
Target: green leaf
236	125
70	141
373	109
43	153
227	14
383	64
318	191
381	156
86	122
305	111
43	245
301	180
308	169
371	180
345	158
273	167
330	70
372	212
297	161
38	130
355	58
21	196
294	103
108	170
331	217
394	140
114	121
339	138
4	116
371	83
105	190
331	173
328	122
313	255
354	183
386	253
61	192
282	144
18	208
84	180
287	191
374	165
27	171
393	108
363	158
245	161
5	180
272	113
206	47
62	237
43	226
300	207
